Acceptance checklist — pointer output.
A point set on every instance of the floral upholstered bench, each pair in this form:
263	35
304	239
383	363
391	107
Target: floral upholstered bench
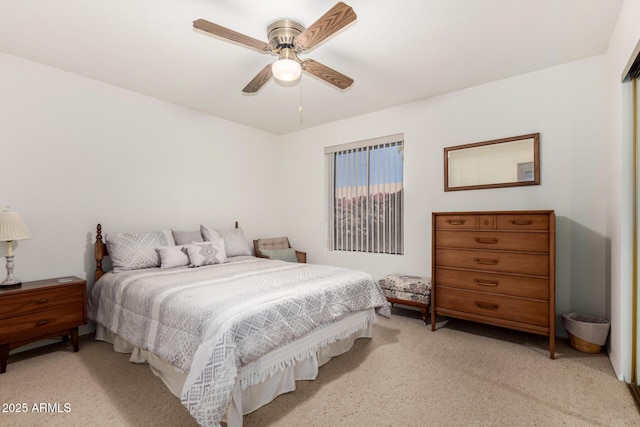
408	290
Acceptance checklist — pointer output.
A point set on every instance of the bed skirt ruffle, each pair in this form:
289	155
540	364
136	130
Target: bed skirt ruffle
274	374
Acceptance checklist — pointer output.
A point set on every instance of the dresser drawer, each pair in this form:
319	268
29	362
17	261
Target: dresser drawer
28	302
522	222
504	262
41	322
512	241
494	306
504	284
458	222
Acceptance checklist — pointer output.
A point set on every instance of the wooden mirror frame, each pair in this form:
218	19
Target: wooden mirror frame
536	163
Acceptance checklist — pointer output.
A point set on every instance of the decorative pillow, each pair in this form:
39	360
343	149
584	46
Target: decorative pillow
172	256
235	243
132	251
186	237
288	254
209	234
206	253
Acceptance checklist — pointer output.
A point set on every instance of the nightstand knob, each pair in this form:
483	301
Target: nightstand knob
42	323
42	301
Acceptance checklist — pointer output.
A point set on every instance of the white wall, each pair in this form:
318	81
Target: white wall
75	152
619	165
566	104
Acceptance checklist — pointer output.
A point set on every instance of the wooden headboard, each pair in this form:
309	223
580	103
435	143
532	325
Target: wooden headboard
102	251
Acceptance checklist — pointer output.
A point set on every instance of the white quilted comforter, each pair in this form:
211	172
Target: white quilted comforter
211	321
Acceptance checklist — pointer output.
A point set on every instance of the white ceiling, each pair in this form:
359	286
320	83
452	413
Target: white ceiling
396	51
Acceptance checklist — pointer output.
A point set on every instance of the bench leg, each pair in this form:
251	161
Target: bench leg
422	307
424	315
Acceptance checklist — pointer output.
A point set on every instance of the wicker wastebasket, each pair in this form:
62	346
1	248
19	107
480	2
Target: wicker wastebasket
587	333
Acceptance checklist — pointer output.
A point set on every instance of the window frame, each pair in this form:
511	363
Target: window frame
388	236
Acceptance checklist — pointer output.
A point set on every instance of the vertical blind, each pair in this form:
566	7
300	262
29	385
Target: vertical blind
365	195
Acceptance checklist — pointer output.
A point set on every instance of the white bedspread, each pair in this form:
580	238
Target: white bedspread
211	321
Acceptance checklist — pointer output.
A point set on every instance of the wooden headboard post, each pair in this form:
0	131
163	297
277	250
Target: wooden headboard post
101	251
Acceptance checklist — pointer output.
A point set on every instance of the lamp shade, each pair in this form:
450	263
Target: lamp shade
12	227
286	70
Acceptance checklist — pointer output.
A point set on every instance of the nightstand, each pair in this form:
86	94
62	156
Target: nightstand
41	309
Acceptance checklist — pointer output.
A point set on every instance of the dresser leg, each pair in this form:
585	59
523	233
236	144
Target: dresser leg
74	339
4	356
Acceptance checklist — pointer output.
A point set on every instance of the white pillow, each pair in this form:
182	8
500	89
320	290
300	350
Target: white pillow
132	251
235	243
186	237
206	253
209	234
172	256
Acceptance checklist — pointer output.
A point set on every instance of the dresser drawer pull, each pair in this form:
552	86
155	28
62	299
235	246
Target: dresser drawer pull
521	222
42	301
487	240
486	282
486	261
455	221
42	323
487	305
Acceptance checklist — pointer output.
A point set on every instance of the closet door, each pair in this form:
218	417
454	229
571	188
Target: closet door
633	74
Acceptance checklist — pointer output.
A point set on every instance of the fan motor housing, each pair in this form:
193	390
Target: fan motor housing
282	32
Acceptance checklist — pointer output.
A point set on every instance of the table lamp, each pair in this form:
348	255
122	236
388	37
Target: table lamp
12	227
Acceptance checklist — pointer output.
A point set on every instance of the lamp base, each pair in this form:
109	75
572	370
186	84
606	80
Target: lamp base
10	280
7	284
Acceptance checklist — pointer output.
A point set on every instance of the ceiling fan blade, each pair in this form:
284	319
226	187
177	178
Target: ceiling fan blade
331	22
226	33
259	80
327	74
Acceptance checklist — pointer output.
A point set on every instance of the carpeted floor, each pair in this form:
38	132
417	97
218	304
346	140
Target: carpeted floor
463	374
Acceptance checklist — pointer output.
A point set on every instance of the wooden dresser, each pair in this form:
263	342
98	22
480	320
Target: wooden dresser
41	309
496	268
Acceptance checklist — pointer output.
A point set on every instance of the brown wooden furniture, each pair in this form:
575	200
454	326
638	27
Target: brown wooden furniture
496	268
101	251
276	243
41	309
408	290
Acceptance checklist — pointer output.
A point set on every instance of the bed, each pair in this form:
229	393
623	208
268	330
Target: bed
229	336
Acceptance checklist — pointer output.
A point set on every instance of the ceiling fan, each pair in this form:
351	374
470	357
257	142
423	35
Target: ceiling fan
287	39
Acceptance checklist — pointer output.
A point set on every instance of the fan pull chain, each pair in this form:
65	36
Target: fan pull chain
300	103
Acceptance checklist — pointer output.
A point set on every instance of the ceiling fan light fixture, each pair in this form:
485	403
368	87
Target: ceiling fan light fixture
286	70
288	38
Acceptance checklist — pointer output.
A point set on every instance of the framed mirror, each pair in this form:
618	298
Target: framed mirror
507	162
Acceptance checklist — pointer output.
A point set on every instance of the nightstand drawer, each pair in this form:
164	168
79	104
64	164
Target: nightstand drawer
29	302
42	322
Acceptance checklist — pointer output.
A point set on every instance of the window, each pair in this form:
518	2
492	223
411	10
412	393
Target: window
364	195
